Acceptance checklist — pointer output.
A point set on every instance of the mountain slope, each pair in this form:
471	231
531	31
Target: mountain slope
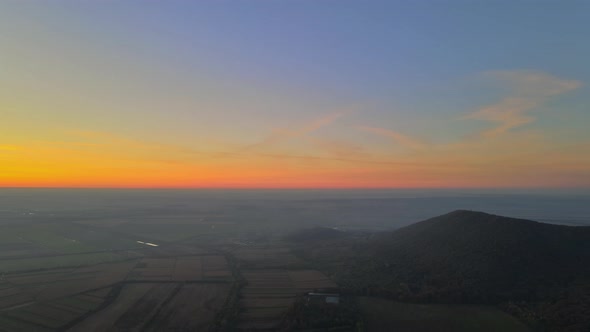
540	272
474	256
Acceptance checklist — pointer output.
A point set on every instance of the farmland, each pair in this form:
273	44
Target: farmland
274	278
60	261
269	294
88	277
84	277
193	308
183	268
386	315
54	284
58	238
54	245
211	272
54	314
108	317
160	306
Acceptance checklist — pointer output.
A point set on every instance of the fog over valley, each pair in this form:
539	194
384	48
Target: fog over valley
357	209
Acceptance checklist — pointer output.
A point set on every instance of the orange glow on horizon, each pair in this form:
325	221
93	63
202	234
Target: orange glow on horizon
119	163
168	96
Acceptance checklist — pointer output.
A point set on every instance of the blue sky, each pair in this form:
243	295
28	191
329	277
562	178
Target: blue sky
222	76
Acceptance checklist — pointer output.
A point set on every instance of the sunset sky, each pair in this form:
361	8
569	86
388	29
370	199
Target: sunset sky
294	93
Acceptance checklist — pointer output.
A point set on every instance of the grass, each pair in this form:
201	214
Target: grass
386	315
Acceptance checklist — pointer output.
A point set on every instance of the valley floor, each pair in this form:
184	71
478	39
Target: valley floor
387	315
52	281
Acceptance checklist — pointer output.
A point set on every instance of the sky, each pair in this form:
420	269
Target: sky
294	94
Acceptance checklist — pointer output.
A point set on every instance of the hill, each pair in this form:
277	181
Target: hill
535	270
475	256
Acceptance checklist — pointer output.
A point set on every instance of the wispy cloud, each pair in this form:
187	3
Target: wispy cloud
280	135
509	113
528	91
402	139
338	148
526	83
318	123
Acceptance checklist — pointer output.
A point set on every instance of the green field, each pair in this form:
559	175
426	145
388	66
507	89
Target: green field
387	315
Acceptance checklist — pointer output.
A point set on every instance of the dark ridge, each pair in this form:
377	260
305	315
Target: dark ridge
475	257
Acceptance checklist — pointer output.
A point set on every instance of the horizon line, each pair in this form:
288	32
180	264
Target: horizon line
291	188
